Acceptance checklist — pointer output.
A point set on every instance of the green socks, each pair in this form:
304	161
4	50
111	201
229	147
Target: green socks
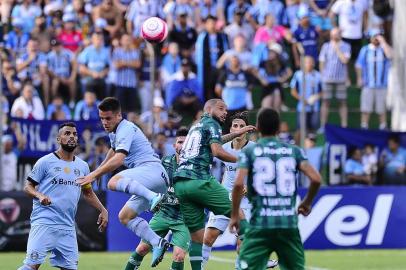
134	261
195	255
177	266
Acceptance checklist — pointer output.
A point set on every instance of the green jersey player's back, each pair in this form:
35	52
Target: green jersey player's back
196	156
273	167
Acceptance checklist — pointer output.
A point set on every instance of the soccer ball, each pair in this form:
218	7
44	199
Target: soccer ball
154	30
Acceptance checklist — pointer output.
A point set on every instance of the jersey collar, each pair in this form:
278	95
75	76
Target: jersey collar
268	139
56	154
114	131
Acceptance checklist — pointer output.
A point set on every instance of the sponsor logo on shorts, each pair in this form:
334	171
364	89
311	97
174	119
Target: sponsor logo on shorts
34	255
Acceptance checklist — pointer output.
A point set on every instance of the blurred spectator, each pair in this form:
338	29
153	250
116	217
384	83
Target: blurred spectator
9	164
43	34
312	93
70	37
206	9
176	8
108	11
273	72
161	147
171	63
319	17
16	40
262	8
94	62
86	109
79	11
239	49
393	162
333	60
183	35
271	31
140	10
370	159
5	10
11	85
306	35
354	169
126	60
95	159
240	7
239	27
234	86
314	155
159	117
28	106
54	12
57	110
381	15
284	134
27	11
352	20
62	68
372	71
32	65
184	93
293	12
210	45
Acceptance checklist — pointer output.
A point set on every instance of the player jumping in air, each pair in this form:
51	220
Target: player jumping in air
169	217
145	177
217	224
271	168
56	195
195	188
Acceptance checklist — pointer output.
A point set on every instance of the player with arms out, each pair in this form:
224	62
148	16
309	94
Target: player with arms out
145	178
271	168
195	188
168	218
217	224
56	195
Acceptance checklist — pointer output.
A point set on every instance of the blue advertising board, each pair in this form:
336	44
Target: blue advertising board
342	217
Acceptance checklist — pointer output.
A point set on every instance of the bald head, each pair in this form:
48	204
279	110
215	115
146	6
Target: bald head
210	104
216	108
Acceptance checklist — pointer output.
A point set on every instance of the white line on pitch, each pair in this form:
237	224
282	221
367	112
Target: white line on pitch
315	268
223	260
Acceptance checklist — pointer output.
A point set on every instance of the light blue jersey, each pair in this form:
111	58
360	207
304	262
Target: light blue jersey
56	179
130	140
230	171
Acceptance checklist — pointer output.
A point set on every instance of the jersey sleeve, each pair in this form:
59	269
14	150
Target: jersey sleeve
214	131
86	171
243	160
300	155
38	172
124	138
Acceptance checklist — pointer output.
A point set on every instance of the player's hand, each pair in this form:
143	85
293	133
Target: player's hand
234	225
244	191
44	200
103	220
246	129
304	208
84	180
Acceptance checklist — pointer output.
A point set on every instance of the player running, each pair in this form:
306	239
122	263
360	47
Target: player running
56	195
194	186
217	224
145	177
271	168
169	217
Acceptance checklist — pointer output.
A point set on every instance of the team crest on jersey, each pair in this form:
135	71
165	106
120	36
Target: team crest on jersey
66	170
57	169
76	172
34	255
258	151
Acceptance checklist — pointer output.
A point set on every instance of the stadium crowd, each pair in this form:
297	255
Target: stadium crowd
59	58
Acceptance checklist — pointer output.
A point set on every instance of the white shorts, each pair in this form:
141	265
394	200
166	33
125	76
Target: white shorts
369	97
221	222
153	176
62	245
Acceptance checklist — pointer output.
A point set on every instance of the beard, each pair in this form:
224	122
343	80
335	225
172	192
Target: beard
68	148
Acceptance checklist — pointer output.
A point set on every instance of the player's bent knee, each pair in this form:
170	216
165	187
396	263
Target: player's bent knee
179	254
210	236
125	215
112	184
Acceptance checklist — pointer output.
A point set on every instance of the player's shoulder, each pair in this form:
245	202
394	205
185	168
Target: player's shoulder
168	159
81	162
46	159
249	147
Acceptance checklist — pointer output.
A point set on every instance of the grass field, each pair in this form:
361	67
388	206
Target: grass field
316	260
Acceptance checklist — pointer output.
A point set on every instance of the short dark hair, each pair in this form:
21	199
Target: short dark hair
352	150
395	138
268	122
182	132
110	104
67	124
242	116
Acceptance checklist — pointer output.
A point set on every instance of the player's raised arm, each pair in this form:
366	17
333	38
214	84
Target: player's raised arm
232	135
93	200
315	181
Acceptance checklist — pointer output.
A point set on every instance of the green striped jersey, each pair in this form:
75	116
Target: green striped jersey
273	167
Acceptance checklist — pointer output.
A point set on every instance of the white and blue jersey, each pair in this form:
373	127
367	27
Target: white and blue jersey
230	172
56	178
130	140
374	66
313	87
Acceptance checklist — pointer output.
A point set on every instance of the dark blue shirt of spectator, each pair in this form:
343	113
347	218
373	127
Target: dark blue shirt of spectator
86	109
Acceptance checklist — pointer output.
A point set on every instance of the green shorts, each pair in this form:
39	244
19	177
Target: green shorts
196	195
180	234
259	244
